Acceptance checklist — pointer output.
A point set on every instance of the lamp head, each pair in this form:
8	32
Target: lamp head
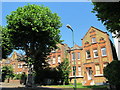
69	27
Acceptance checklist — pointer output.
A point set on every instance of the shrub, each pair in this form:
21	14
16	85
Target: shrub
112	73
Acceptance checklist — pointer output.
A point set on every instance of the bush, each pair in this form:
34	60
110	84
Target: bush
17	76
112	73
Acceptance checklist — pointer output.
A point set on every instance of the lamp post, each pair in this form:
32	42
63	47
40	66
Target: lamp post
74	68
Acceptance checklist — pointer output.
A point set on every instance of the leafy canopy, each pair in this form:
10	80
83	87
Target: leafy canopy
34	29
5	44
109	14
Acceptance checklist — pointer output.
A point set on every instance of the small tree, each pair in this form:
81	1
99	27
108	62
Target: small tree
7	72
64	71
112	73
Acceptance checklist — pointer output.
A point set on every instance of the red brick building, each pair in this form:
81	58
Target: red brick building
90	58
18	66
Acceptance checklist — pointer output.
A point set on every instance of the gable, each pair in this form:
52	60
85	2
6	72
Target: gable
93	33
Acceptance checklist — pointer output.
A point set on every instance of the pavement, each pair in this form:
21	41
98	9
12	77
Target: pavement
9	86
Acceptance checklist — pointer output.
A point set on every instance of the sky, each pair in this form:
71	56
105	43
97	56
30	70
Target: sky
76	14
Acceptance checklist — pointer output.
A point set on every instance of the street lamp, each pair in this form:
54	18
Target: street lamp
74	68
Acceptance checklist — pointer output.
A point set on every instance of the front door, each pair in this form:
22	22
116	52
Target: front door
89	73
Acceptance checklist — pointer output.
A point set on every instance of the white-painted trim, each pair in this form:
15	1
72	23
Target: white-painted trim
76	76
98	75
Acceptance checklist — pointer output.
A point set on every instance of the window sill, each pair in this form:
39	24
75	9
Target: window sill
98	75
104	55
76	76
88	58
94	43
95	57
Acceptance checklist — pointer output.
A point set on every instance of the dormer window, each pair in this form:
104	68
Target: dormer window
101	38
93	40
86	42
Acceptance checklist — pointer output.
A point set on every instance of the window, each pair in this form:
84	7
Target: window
78	55
73	56
103	50
20	72
54	61
19	65
79	71
93	40
105	64
49	61
73	70
59	59
95	53
88	54
14	65
101	38
97	68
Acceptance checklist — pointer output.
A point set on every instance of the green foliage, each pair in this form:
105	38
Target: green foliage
34	29
5	42
64	71
109	14
7	72
112	72
17	76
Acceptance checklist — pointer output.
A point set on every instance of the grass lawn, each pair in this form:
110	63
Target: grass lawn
78	86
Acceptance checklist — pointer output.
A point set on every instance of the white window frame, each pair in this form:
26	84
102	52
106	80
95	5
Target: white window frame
54	60
105	64
93	40
78	55
18	65
79	70
95	51
59	59
97	69
73	56
49	61
87	54
103	51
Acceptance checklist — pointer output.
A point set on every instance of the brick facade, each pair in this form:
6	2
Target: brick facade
18	66
90	58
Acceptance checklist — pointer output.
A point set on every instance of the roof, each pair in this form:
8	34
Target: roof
95	29
76	47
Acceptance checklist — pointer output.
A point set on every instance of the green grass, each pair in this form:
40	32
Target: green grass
78	86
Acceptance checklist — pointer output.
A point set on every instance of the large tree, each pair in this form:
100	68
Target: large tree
5	43
34	29
109	14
